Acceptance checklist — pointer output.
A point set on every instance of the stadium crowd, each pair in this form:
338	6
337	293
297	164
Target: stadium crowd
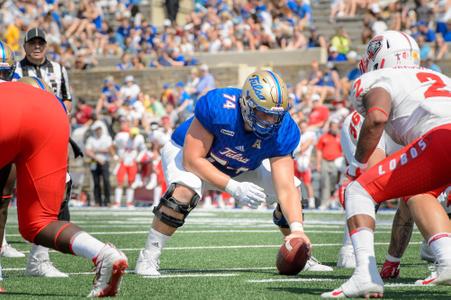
124	130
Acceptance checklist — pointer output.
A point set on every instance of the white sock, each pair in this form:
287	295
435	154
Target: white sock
440	244
39	251
207	201
156	195
393	259
346	237
156	241
363	242
117	195
85	245
129	195
311	202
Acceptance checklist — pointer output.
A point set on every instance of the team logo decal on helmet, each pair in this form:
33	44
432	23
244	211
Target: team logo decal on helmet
374	46
264	92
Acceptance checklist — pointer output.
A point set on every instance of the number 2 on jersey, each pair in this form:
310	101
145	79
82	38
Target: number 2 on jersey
230	101
437	85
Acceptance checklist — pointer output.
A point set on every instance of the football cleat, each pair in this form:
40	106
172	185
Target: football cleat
430	280
346	257
110	264
11	252
426	253
41	266
313	265
357	287
443	274
390	270
147	264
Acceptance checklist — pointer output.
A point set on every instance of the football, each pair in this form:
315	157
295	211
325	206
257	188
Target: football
292	256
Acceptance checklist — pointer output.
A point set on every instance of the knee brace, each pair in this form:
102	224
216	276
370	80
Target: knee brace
167	200
278	218
358	201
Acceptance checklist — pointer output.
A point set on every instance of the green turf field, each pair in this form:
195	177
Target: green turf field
217	255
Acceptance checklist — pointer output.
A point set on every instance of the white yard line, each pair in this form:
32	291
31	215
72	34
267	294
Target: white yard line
215	231
269	280
151	277
289	280
219	247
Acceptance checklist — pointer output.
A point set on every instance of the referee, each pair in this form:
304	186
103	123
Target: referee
36	64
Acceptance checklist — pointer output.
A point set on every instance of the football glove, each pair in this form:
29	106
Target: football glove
246	193
355	169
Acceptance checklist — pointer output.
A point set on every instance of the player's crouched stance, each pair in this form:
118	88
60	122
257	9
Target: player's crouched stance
222	147
414	107
34	138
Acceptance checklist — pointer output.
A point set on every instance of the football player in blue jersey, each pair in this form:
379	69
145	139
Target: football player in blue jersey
239	141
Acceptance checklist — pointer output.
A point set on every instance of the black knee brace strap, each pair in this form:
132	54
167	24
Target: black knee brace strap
170	202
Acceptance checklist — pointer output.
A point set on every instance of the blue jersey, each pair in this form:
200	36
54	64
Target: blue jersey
235	150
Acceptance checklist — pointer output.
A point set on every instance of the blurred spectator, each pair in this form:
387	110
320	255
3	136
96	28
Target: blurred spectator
335	56
83	113
319	115
125	63
206	81
352	74
172	9
341	41
12	35
328	151
328	84
424	11
440	48
109	98
130	90
425	49
302	10
167	95
425	31
184	103
316	40
99	148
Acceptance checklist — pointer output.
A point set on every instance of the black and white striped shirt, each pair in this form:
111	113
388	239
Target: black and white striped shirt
53	73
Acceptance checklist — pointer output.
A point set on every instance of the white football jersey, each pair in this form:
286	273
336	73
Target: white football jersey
421	100
349	136
128	148
303	160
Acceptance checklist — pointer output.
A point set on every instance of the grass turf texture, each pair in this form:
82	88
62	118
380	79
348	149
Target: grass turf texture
216	255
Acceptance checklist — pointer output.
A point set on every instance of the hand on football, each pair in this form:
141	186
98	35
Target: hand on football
299	234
